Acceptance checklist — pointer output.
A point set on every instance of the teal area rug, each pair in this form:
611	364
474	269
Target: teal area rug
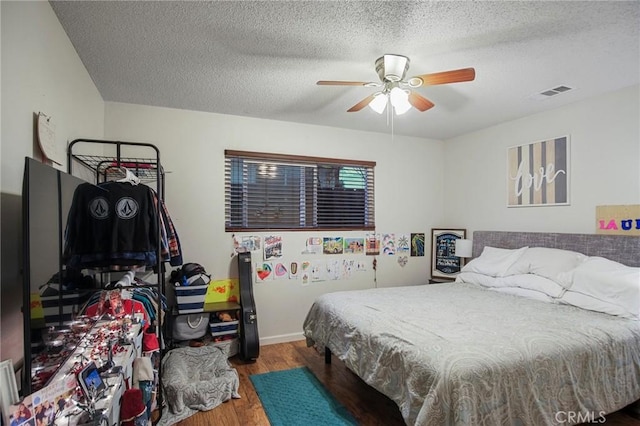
296	397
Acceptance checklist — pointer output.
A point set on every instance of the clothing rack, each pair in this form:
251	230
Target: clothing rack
148	169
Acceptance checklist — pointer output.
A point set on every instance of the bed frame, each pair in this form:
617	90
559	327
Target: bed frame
620	248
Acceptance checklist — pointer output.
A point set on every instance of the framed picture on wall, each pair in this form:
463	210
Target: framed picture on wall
445	265
538	173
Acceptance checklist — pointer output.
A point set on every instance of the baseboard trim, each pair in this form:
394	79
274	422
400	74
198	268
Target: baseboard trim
282	338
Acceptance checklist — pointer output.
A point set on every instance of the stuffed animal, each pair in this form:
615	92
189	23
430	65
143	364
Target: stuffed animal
225	316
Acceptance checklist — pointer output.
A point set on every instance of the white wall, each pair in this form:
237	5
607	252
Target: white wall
605	166
40	72
192	146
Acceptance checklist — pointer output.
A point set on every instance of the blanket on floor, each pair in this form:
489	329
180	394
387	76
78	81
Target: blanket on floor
196	379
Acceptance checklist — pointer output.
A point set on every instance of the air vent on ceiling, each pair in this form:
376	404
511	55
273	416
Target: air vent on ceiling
556	91
545	94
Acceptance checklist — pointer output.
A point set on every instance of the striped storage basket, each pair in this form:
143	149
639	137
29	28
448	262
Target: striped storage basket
51	302
190	299
223	328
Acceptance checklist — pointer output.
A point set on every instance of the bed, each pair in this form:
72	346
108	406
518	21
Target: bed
469	353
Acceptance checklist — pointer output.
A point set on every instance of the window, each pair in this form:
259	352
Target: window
274	191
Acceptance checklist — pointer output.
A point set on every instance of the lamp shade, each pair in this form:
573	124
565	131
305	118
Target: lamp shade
379	103
464	248
400	100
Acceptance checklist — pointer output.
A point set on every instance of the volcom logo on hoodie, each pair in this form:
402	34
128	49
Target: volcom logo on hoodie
99	208
126	208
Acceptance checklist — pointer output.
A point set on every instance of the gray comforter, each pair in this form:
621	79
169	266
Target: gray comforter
456	354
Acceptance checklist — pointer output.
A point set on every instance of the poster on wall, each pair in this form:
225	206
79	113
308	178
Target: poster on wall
332	245
318	270
354	245
372	241
618	220
538	173
294	269
403	243
280	271
251	242
272	247
264	271
348	268
313	245
417	244
333	270
444	262
305	267
389	244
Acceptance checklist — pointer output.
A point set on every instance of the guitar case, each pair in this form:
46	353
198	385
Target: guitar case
249	340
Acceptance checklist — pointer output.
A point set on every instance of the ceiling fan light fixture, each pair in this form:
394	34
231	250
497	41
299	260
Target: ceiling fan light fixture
392	67
395	90
379	103
400	100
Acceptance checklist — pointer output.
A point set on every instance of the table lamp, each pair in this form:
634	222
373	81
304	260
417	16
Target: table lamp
463	248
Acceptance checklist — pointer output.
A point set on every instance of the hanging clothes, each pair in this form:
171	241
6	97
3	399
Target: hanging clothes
115	225
171	250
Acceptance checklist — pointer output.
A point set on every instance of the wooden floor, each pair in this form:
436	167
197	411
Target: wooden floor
368	406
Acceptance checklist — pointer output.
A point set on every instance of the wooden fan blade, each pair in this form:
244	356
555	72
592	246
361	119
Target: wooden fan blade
363	103
445	77
341	83
419	102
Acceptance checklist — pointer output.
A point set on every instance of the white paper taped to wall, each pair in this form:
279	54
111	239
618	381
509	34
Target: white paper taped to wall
47	138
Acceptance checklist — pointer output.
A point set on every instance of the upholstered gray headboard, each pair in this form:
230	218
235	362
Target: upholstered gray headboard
621	248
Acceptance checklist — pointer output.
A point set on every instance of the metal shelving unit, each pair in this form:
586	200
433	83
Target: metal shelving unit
148	169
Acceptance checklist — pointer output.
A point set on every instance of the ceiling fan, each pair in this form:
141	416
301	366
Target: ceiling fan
395	89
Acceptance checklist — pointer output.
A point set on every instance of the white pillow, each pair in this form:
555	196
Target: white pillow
523	281
546	262
607	281
494	261
475	278
592	304
532	282
523	292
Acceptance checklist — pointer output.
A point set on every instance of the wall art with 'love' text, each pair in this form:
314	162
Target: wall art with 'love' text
538	173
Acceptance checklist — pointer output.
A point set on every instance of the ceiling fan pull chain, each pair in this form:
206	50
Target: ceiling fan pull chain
392	133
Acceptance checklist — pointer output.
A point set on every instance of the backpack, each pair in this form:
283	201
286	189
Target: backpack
191	269
190	274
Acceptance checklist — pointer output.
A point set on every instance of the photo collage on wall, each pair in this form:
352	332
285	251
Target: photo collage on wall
334	257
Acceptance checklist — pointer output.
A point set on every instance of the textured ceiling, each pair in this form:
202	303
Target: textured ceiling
262	59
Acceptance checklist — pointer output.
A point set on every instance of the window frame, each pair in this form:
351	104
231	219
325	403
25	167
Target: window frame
300	160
